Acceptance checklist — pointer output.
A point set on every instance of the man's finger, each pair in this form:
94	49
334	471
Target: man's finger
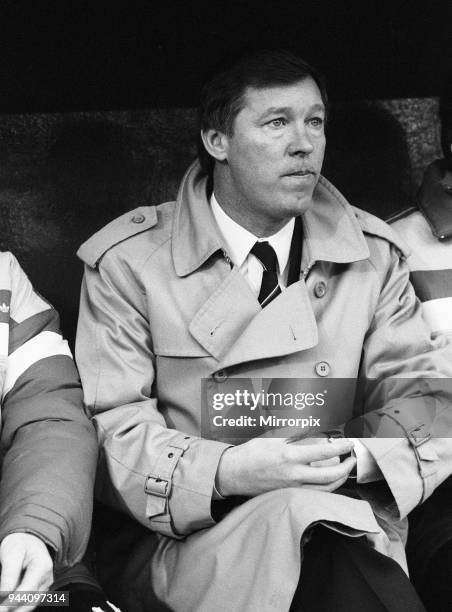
11	570
325	462
328	475
336	484
37	576
319	452
330	487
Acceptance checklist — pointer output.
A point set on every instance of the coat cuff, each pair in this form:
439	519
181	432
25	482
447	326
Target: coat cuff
179	489
193	483
400	469
399	437
167	486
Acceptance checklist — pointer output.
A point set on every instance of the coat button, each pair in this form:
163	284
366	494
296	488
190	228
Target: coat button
220	376
322	368
320	289
138	219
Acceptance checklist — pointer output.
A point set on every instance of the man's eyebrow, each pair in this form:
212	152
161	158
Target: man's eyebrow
286	110
276	110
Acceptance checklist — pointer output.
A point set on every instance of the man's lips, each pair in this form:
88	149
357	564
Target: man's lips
299	178
305	172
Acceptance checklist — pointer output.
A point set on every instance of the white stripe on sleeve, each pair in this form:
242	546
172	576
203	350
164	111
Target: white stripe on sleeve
4	339
45	344
438	314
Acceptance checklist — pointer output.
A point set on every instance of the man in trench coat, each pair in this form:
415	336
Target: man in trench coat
178	305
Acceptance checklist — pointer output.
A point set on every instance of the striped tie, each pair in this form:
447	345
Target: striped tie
267	257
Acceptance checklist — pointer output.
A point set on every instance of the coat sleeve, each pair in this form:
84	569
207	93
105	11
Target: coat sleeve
163	477
406	392
48	445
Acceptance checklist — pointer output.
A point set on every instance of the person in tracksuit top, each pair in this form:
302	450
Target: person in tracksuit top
48	446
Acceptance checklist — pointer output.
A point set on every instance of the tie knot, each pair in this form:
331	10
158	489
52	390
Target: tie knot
266	255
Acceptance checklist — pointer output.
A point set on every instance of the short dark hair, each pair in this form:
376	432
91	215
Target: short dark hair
222	95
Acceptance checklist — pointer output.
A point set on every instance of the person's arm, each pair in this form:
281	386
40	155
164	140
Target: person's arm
162	477
406	403
48	445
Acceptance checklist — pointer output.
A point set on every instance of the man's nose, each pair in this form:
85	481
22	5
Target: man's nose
301	142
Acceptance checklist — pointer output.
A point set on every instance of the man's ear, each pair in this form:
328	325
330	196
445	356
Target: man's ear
215	143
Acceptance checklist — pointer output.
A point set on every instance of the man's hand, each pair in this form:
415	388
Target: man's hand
262	465
26	565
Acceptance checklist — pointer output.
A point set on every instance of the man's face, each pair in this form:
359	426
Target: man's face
275	155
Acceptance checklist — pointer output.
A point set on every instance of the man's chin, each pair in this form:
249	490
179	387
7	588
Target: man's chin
299	207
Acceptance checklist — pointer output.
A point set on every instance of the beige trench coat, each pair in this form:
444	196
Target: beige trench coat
161	308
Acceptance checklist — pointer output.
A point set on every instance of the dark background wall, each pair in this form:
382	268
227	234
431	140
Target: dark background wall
98	116
90	55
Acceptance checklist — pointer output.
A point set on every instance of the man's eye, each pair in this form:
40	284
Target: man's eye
278	122
316	121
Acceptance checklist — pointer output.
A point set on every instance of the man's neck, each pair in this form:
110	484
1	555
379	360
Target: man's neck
239	211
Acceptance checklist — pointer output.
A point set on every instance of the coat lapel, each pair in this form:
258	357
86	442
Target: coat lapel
285	326
225	315
233	327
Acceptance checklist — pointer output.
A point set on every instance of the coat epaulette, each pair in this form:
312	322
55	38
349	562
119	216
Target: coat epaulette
377	227
130	224
401	214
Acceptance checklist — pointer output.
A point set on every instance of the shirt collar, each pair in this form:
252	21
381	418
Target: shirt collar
239	241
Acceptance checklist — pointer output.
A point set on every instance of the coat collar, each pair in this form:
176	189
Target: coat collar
331	231
196	236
